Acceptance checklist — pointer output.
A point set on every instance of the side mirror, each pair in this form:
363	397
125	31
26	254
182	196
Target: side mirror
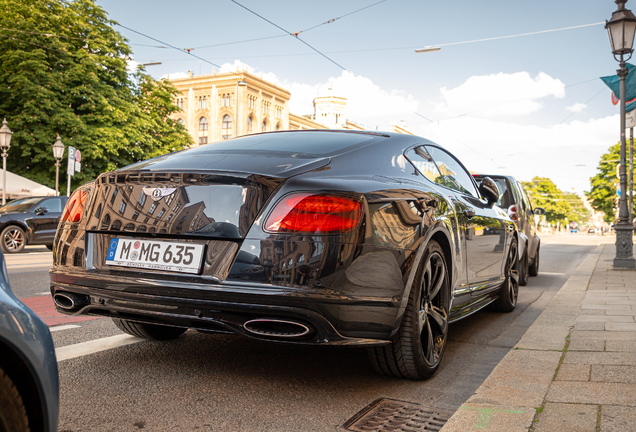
489	190
539	211
41	210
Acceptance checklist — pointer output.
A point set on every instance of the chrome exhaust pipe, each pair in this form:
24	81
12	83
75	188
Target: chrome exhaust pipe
277	328
69	301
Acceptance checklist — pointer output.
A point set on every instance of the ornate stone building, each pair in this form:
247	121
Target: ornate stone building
222	106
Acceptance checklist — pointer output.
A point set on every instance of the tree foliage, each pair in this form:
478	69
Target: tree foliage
602	194
64	70
558	205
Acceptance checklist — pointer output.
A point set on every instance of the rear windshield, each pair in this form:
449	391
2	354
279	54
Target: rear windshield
304	143
505	194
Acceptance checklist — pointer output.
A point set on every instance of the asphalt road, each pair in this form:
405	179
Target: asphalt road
203	382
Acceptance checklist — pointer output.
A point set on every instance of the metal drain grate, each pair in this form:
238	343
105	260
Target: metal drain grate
391	415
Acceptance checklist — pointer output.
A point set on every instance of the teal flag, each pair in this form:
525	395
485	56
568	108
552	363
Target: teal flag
613	83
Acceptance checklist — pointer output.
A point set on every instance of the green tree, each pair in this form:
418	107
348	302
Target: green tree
64	70
544	193
602	194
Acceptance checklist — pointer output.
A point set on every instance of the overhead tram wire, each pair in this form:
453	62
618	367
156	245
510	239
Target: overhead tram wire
292	34
289	33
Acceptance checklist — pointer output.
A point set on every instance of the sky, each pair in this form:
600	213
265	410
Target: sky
525	106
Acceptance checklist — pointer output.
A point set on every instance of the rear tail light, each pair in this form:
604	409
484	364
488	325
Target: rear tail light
308	213
512	212
75	207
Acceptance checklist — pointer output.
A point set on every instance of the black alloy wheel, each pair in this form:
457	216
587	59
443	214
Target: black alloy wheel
524	270
509	290
13	239
417	352
534	268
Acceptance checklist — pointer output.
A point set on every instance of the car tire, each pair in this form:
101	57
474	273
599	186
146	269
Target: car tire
13	239
509	291
148	331
13	415
534	268
524	269
418	350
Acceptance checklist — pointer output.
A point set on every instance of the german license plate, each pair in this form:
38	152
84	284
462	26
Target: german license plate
156	255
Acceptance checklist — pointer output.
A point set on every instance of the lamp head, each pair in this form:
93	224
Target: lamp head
58	148
5	136
621	29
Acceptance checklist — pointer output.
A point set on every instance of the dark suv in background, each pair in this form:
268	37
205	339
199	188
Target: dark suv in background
30	221
514	199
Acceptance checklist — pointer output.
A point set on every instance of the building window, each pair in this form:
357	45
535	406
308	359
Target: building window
163	210
277	126
135	216
250	124
152	209
203	102
225	100
227	127
122	207
279	112
264	126
203	131
252	102
142	199
112	198
265	107
181	122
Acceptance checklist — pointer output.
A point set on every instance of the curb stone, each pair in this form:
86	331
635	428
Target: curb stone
515	392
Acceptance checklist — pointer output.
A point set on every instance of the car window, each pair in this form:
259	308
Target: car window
526	200
455	175
423	162
20	205
52	204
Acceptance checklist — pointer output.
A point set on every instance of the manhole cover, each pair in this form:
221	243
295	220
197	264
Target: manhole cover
390	415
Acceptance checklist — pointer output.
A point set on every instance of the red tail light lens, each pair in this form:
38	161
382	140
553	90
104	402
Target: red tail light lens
314	214
512	212
74	207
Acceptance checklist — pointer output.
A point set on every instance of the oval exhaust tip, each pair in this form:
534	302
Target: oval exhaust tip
277	328
68	301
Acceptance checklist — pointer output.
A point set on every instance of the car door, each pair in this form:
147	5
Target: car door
45	219
423	162
484	227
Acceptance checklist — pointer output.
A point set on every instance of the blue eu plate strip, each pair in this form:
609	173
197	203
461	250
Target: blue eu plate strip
112	249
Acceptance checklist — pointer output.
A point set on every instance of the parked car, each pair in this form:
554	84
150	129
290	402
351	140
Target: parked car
310	237
514	199
29	389
30	221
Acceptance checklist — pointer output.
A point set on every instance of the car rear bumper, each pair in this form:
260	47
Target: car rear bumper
331	319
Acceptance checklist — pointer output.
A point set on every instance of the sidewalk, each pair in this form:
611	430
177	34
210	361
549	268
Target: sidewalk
574	369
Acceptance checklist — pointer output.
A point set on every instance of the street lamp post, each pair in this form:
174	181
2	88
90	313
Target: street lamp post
5	144
621	29
236	106
58	154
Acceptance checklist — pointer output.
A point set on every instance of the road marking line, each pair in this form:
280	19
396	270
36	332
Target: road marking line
552	274
63	327
45	293
552	242
94	346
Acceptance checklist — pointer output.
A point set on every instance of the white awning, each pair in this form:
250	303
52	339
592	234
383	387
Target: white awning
21	187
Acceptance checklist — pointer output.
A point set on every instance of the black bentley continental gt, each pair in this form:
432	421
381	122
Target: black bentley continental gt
309	237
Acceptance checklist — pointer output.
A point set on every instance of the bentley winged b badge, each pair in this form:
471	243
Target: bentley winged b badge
157	193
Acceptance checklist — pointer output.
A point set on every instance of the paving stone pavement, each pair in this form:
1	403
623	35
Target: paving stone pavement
574	370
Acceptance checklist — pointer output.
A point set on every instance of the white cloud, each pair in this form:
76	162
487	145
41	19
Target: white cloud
525	151
577	107
499	95
131	66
